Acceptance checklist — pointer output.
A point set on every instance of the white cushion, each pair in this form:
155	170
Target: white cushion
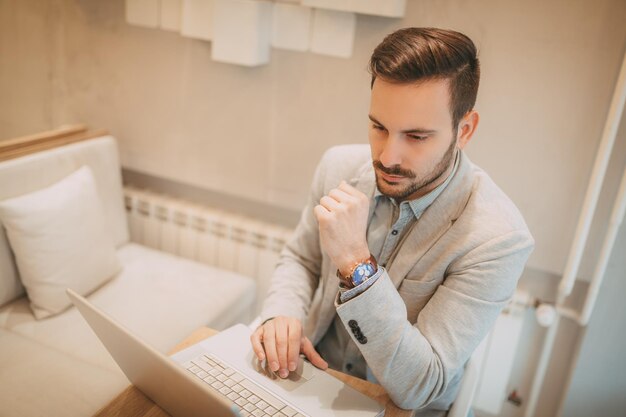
159	297
60	241
39	381
39	170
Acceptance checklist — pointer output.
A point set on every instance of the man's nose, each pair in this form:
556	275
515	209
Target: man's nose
392	152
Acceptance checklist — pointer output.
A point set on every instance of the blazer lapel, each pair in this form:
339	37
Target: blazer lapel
433	223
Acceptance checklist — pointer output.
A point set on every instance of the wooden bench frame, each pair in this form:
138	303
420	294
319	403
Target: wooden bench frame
14	148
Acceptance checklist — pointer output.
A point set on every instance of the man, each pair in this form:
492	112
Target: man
406	252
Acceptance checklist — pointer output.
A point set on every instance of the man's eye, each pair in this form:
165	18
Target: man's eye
419	138
378	127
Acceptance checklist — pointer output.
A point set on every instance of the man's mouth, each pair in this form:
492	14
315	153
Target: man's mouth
391	178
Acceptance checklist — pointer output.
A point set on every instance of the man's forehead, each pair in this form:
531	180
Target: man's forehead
411	105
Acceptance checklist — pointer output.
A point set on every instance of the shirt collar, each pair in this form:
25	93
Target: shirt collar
419	205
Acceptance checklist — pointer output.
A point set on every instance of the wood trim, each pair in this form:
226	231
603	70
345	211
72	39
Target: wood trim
14	148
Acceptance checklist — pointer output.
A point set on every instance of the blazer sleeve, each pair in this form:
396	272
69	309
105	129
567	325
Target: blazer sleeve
416	363
297	274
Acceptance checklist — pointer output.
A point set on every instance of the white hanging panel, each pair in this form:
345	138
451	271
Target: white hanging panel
197	19
171	15
333	33
142	13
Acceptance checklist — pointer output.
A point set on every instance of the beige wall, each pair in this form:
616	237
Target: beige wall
25	67
549	68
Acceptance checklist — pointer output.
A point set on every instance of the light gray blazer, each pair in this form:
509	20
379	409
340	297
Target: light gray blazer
444	287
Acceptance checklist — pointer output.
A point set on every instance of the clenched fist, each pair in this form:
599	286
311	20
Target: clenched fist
342	217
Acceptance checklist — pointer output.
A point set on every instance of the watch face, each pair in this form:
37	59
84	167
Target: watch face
362	273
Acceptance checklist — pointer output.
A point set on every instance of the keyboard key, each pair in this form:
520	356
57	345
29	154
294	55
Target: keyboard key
254	399
266	396
221	377
195	369
241	402
209	379
237	388
217	385
288	411
202	374
271	410
219	362
245	393
249	407
229	382
228	371
203	365
262	405
214	372
233	396
237	377
258	413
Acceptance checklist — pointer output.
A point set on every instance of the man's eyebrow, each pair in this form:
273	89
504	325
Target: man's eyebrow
415	130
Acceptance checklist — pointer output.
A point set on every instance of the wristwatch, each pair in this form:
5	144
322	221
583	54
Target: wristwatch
360	272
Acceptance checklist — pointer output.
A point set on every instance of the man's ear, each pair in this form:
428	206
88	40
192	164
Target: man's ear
467	127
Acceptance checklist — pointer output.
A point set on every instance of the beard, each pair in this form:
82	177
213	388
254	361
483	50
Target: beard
401	193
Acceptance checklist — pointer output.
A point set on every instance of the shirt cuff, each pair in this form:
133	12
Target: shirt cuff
347	294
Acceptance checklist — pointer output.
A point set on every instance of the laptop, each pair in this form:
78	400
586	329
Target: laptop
221	377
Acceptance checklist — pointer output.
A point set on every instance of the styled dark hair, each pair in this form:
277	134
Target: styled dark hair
419	54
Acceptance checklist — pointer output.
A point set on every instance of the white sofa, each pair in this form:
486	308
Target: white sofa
56	366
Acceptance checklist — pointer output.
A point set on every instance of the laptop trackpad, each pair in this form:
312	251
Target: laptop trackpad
303	373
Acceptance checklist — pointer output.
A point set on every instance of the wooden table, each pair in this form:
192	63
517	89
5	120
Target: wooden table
132	403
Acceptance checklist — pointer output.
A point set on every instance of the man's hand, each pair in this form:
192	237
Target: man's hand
342	217
280	341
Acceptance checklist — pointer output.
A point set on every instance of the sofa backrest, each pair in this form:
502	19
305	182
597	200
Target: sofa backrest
35	171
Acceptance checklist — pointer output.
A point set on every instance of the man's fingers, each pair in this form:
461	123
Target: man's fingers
339	195
348	189
293	352
309	351
257	346
329	203
269	343
281	346
320	212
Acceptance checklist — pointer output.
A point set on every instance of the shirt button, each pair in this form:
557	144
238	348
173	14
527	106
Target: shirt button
394	232
349	367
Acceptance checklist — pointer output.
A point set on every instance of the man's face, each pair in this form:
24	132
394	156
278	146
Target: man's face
411	137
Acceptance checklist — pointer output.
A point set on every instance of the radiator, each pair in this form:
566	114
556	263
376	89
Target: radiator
206	235
252	248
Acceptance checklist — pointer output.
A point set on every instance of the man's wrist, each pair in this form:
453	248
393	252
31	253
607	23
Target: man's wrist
346	266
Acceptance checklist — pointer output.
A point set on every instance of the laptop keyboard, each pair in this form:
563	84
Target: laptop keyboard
252	400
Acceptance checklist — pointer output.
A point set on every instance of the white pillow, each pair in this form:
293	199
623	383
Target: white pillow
60	241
